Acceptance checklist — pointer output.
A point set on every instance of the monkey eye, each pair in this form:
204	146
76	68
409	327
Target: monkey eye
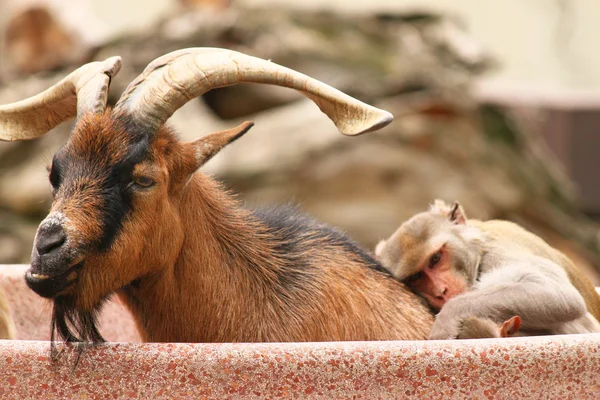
413	278
435	259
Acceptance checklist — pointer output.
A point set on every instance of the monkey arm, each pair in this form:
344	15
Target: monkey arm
539	293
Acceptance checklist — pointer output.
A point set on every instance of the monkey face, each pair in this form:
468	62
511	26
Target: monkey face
438	280
432	254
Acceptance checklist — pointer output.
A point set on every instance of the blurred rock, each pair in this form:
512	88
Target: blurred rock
205	4
367	57
35	41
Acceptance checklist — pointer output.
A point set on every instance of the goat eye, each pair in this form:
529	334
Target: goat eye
143	181
435	259
54	177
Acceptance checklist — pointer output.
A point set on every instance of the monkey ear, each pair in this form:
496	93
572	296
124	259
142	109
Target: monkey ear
457	214
510	327
379	248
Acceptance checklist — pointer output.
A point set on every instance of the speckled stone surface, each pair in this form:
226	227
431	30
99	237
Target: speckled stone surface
566	367
556	367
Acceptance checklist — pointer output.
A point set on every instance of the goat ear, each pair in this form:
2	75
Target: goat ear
207	146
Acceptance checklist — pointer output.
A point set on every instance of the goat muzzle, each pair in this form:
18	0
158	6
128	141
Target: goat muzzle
51	286
53	265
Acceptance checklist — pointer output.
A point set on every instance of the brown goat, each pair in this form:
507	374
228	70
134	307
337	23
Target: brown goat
132	216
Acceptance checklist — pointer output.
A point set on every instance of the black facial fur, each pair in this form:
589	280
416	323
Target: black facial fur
116	194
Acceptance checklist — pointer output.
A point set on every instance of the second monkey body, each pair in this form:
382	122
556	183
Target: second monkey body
489	269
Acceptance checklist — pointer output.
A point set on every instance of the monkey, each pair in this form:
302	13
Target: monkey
482	328
7	326
489	269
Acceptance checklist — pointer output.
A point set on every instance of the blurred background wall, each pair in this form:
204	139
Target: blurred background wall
497	105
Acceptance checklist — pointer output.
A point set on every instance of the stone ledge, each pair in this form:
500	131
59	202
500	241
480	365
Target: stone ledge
565	367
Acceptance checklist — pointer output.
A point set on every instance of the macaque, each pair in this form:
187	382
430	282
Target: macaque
483	328
488	269
7	327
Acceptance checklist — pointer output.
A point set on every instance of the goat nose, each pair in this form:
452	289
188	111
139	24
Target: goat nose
49	238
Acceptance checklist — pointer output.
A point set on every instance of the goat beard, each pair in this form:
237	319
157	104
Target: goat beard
73	325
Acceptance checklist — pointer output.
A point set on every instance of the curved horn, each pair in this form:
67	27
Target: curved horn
172	80
85	89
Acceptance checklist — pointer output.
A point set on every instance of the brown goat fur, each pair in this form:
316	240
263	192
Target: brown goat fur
192	264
